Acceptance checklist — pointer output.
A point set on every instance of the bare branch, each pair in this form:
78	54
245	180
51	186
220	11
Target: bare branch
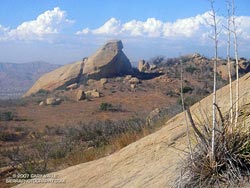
220	114
199	134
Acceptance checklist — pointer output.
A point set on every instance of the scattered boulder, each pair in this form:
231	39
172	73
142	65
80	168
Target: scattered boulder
103	81
132	86
134	80
41	103
244	66
58	100
196	55
50	100
93	94
53	101
143	66
128	77
152	67
118	79
80	95
72	86
108	61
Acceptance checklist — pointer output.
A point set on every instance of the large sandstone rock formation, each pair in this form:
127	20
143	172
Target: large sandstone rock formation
65	75
108	61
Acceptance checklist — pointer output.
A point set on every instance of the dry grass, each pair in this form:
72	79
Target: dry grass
231	164
127	138
113	144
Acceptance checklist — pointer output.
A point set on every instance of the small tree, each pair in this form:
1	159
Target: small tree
234	31
215	39
228	59
185	113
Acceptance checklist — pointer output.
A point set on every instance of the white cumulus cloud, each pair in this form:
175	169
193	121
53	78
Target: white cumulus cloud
243	26
153	27
186	27
197	27
84	31
112	26
3	30
49	22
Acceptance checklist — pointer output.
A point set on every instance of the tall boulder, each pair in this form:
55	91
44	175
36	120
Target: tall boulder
108	61
143	66
80	95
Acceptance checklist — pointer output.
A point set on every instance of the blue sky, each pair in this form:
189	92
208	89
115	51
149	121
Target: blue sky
68	30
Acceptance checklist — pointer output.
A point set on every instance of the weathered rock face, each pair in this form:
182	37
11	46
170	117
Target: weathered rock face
72	86
143	66
103	81
63	76
53	101
92	94
80	95
108	61
244	66
134	80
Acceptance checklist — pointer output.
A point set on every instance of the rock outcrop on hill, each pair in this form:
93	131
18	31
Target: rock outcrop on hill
108	61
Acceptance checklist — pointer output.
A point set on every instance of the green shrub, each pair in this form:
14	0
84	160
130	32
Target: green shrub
58	153
13	102
8	136
185	59
190	69
105	106
19	129
30	160
6	116
41	92
188	101
171	93
186	89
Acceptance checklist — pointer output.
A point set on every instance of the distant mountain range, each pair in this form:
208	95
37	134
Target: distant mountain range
17	78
